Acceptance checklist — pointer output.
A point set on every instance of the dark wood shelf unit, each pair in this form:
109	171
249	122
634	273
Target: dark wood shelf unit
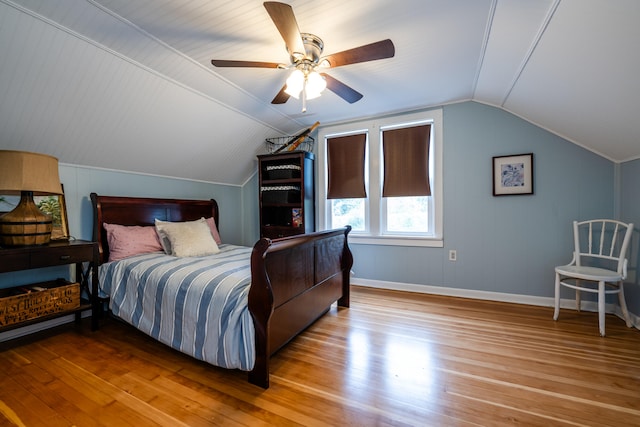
286	186
75	252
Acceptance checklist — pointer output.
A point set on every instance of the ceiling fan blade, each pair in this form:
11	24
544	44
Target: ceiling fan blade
284	19
370	52
281	97
253	64
342	90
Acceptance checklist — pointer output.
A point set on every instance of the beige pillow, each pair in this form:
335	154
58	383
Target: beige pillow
184	239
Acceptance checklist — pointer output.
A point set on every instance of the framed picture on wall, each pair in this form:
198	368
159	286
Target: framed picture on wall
513	175
55	206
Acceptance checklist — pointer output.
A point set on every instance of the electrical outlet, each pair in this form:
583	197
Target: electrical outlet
453	255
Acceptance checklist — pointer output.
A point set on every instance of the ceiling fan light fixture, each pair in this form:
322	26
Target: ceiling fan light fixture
315	85
295	83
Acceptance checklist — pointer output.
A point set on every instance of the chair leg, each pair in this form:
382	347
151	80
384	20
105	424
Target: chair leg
623	305
601	305
556	310
578	297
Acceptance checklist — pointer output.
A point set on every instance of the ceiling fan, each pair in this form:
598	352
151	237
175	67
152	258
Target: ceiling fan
305	52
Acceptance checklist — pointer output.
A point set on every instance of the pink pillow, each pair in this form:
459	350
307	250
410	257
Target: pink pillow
214	230
125	241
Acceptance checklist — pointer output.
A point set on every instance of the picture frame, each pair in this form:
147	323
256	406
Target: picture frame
296	217
513	175
55	206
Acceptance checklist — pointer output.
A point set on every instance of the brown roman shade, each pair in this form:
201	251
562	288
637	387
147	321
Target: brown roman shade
345	164
406	161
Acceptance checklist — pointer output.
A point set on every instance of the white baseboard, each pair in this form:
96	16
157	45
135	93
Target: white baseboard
492	296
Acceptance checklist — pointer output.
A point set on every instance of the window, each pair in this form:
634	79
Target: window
392	209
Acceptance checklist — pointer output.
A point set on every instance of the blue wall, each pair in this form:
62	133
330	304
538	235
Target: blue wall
251	205
630	212
507	244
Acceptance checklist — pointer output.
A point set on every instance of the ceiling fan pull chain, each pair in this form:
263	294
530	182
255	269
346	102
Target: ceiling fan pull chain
304	96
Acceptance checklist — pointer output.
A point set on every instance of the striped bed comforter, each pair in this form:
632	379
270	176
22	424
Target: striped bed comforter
197	305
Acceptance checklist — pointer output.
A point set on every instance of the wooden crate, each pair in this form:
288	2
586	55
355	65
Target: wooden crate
28	302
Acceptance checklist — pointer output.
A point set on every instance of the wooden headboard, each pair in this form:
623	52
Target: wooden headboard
144	211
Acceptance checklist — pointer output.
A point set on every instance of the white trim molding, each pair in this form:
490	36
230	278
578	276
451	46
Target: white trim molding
493	296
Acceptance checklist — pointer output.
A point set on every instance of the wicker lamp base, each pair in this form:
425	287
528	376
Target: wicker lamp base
26	225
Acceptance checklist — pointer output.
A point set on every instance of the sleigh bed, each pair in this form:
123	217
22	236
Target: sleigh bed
283	285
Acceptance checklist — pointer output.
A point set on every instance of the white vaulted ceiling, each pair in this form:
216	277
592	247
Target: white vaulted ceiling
128	84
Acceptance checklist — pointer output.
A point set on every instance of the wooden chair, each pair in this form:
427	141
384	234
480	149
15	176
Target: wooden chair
599	264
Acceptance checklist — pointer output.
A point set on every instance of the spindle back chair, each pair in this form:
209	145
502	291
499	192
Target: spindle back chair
599	265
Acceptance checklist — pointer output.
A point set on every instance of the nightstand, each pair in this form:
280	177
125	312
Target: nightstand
75	252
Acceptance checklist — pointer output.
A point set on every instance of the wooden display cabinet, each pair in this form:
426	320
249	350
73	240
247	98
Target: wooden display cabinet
287	194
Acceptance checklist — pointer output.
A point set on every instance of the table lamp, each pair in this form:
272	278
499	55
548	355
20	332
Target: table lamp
27	174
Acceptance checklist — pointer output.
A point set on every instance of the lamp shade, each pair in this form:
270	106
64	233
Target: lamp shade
27	174
25	171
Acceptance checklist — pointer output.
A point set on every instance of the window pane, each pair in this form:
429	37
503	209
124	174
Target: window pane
408	214
348	212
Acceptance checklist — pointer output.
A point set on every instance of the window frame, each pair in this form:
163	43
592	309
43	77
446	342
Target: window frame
374	203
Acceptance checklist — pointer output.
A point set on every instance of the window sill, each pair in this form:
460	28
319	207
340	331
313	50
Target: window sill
428	242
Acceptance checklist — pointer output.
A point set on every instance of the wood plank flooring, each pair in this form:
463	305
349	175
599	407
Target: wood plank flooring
393	358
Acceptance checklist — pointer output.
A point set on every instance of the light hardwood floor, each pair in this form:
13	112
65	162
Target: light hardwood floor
393	358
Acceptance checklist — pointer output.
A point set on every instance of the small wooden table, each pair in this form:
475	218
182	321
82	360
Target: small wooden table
75	252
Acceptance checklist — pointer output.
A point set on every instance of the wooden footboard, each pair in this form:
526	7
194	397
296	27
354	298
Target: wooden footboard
294	282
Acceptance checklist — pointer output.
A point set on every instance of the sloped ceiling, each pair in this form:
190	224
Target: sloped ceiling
128	84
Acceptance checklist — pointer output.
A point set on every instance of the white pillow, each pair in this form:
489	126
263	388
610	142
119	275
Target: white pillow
185	239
